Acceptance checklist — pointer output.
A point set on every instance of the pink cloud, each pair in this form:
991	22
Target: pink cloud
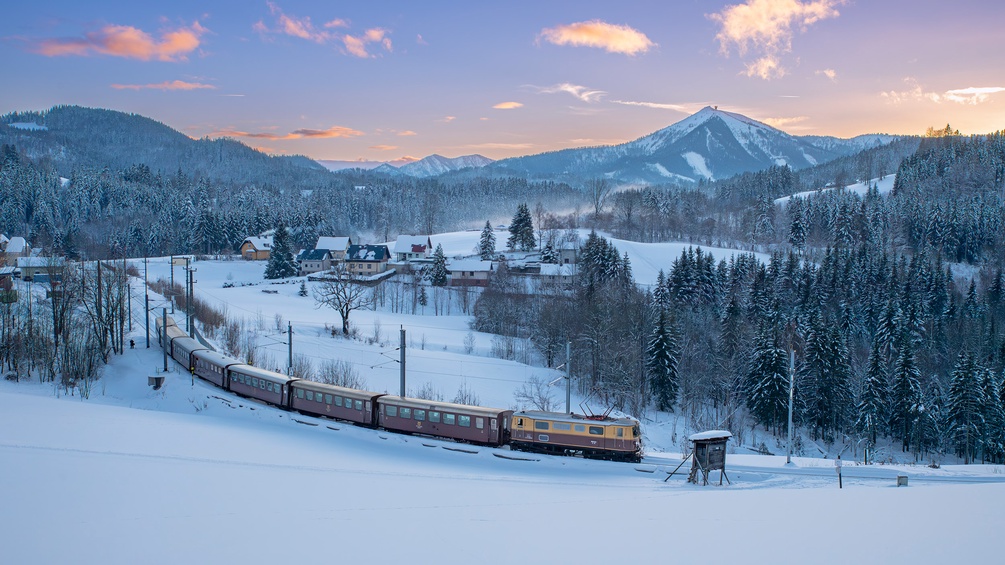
166	85
358	45
332	132
595	33
128	42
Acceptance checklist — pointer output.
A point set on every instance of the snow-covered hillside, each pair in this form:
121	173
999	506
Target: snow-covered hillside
883	186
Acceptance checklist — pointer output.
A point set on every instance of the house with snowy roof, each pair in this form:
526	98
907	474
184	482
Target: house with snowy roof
367	259
313	261
15	248
257	248
337	245
469	272
412	248
558	274
41	269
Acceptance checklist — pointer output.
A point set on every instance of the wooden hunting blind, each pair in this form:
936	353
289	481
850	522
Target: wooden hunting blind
709	454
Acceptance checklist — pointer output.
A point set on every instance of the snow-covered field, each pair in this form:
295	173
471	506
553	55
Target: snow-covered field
883	186
192	474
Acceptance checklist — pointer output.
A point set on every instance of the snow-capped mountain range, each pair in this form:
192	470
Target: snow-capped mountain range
431	166
710	144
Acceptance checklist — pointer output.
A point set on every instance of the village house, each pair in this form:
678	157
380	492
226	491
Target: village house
313	261
257	248
13	249
337	246
41	269
412	248
567	252
557	274
470	272
365	260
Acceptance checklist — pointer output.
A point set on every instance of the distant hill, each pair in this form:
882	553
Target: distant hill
708	145
431	166
73	136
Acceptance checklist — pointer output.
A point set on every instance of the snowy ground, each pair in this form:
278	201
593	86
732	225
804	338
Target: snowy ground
192	474
883	185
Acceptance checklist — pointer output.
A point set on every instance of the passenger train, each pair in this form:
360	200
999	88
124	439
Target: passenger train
616	439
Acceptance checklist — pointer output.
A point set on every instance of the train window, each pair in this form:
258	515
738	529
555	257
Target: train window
254	382
579	428
621	432
268	387
338	401
464	421
542	437
310	395
561	426
261	384
406	413
391	410
596	430
359	405
480	423
434	417
328	399
300	393
519	422
419	415
448	419
635	431
541	425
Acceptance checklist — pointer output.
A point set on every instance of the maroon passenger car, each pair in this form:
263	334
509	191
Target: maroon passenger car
475	424
333	401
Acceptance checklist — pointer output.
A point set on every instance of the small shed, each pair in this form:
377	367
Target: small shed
709	454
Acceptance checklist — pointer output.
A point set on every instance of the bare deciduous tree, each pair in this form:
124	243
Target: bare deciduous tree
598	189
342	291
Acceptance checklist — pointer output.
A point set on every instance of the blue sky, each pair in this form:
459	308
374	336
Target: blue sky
393	80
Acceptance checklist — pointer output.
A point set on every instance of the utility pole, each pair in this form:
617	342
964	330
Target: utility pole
568	377
164	340
402	361
189	310
289	342
171	296
146	300
792	384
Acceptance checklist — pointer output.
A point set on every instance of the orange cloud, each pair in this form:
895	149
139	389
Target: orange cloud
407	133
383	147
166	85
332	132
508	106
595	33
128	42
405	159
767	27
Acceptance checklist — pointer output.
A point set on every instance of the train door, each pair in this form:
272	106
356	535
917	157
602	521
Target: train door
619	438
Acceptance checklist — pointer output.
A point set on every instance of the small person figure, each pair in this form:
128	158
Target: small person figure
132	344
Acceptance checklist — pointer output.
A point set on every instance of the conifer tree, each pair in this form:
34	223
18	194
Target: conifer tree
966	403
993	417
905	395
767	381
487	243
521	230
662	360
438	270
281	264
873	400
548	253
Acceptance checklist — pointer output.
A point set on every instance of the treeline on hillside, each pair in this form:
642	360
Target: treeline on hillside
885	344
136	212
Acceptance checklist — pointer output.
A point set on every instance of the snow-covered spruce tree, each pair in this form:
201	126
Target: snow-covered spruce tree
767	382
873	400
303	289
487	243
905	395
438	270
521	230
548	253
993	434
826	375
662	361
966	400
281	264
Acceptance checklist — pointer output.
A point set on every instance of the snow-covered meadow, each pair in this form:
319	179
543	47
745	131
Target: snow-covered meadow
192	474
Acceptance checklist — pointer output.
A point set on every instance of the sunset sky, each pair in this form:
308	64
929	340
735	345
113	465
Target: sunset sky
405	79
